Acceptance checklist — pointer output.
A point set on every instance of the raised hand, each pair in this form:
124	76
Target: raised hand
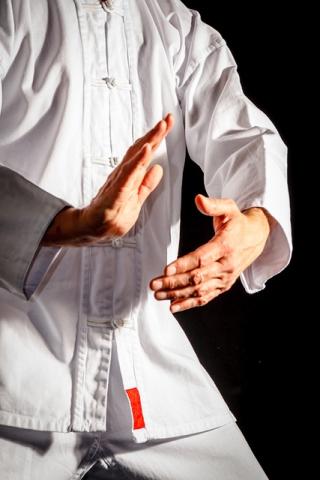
116	207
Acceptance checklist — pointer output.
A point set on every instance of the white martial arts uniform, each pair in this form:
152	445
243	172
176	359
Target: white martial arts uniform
218	454
79	84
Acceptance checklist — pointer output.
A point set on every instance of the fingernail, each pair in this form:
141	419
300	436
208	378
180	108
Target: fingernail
171	270
175	308
156	285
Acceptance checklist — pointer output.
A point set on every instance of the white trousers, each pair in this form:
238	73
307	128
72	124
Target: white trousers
219	454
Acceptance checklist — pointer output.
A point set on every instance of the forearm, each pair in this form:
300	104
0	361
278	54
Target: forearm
67	229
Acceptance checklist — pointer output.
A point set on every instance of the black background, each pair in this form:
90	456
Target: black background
253	345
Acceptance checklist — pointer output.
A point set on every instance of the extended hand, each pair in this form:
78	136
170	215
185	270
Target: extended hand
116	207
195	279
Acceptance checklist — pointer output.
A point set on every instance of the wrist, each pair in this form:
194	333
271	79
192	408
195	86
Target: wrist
65	229
262	213
260	220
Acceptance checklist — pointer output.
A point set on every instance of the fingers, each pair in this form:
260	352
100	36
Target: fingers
156	134
192	278
164	127
169	119
129	174
193	289
155	138
139	155
185	304
202	290
201	257
216	207
150	181
195	279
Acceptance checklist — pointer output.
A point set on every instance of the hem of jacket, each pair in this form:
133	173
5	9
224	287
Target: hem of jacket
146	434
208	423
31	423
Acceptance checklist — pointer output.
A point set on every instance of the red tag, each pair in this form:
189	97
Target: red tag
134	397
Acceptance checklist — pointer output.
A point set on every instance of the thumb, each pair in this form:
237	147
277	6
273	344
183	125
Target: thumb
216	207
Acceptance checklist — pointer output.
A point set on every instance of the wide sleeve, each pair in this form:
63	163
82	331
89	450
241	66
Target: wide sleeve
25	209
235	144
25	214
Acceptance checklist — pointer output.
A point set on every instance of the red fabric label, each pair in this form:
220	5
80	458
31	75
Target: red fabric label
134	397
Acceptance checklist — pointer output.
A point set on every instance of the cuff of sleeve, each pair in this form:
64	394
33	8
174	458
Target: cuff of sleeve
273	197
274	258
26	214
30	257
43	261
35	260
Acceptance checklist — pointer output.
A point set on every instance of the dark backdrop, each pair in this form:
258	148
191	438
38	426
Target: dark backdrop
248	343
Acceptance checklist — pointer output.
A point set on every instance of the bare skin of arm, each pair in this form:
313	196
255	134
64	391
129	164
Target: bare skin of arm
116	207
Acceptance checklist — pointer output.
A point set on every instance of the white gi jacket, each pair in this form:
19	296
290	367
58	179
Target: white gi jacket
79	84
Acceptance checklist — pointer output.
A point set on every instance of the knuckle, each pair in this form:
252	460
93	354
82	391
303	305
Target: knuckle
172	295
203	261
180	264
170	284
201	290
225	278
230	267
196	292
196	278
197	257
202	301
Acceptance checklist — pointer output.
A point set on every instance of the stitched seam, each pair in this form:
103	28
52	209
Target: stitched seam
210	49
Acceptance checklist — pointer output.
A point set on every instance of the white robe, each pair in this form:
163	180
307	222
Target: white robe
79	85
